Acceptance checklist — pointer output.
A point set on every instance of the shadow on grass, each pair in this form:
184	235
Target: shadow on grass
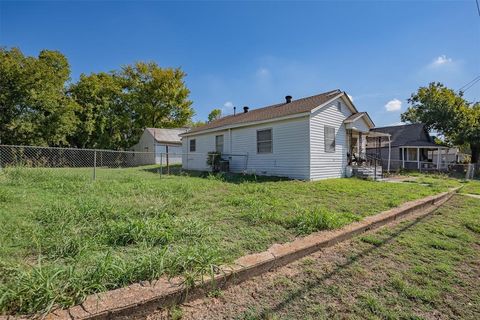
229	177
294	295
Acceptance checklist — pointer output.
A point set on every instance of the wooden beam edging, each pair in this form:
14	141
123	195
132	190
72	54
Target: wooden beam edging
145	297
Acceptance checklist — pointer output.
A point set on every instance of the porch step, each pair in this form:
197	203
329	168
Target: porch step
368	172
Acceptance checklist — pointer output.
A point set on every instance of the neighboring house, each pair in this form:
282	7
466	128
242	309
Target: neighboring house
161	145
309	138
412	147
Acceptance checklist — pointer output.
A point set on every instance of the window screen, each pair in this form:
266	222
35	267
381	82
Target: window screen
219	144
412	154
264	141
193	145
329	133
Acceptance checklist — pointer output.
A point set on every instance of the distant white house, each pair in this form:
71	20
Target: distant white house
163	144
310	138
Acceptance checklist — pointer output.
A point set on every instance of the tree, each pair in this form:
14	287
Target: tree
158	95
446	111
105	115
214	115
34	107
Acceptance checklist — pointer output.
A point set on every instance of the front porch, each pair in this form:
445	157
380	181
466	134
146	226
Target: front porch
424	157
364	156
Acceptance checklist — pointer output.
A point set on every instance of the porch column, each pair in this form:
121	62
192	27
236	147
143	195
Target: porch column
389	153
418	158
403	157
438	159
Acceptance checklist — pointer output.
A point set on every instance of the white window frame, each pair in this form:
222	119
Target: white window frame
264	141
325	139
194	145
216	143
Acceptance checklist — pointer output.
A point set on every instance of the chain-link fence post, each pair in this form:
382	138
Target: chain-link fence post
94	164
161	164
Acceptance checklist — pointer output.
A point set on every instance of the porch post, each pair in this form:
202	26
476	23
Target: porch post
389	153
403	157
418	158
438	159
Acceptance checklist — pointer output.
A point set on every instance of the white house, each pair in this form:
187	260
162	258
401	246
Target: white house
160	145
310	138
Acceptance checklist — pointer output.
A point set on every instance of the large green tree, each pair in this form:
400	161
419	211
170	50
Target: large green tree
159	95
446	111
34	107
105	114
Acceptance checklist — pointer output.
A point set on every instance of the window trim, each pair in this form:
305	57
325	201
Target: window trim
271	140
223	143
325	127
194	145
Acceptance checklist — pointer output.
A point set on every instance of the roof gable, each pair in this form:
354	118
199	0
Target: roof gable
166	135
414	134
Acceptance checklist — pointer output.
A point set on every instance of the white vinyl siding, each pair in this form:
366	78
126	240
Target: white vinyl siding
328	164
204	143
289	156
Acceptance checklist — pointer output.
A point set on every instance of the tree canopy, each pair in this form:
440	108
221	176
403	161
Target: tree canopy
39	105
446	111
214	115
34	106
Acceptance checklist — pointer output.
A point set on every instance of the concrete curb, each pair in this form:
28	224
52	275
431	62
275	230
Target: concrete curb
142	298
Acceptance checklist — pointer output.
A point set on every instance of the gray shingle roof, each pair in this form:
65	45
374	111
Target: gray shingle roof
271	112
415	135
167	135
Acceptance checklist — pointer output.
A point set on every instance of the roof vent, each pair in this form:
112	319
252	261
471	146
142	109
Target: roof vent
245	109
288	99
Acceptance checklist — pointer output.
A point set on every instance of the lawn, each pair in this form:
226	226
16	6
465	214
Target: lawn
424	269
473	187
64	236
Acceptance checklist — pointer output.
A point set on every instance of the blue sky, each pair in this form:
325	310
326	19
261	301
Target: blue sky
255	53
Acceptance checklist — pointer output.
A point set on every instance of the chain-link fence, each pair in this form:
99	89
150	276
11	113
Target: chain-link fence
459	170
94	161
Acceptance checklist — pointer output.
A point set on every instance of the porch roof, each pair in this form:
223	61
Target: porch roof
376	134
423	145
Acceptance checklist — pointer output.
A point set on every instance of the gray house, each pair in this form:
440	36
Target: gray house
160	145
412	147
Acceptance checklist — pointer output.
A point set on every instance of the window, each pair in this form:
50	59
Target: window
264	141
411	154
219	144
193	145
329	134
339	106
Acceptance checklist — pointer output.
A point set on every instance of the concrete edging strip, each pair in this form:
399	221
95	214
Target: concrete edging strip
142	298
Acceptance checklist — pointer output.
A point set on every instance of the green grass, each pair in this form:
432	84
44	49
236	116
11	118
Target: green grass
416	270
472	187
64	236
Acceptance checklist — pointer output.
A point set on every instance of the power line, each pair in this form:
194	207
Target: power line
470	84
464	90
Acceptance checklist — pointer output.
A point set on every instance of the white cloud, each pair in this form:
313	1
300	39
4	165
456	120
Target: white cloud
441	61
393	105
228	105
